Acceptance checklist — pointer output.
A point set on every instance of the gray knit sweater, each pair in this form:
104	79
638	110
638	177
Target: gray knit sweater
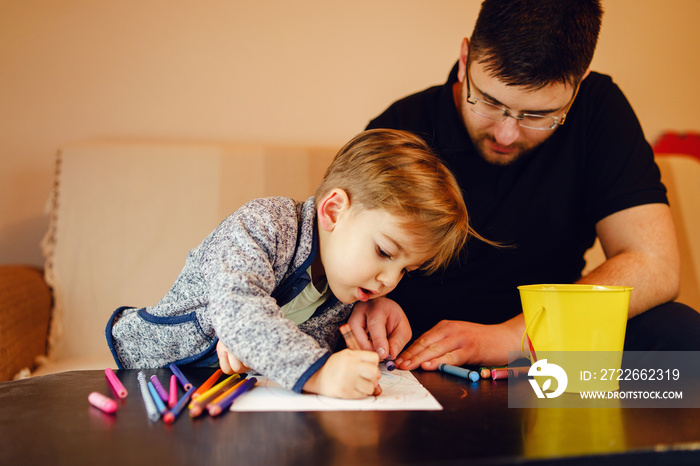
230	289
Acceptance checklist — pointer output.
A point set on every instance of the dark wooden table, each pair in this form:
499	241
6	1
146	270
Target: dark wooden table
47	420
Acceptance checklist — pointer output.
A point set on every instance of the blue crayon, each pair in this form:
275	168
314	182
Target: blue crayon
157	399
460	372
171	415
181	377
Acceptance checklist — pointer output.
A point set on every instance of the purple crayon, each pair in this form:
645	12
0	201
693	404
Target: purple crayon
181	377
162	393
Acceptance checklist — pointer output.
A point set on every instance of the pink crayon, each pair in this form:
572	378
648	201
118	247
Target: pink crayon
101	402
172	399
116	384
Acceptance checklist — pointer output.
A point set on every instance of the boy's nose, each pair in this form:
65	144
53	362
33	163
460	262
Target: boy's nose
388	280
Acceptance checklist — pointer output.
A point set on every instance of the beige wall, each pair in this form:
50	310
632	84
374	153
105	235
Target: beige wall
279	71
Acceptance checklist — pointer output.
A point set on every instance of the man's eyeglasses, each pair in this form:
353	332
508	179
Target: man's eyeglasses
526	120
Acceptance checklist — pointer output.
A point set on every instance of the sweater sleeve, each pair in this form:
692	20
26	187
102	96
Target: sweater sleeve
242	262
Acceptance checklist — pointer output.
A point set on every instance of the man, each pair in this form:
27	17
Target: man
549	156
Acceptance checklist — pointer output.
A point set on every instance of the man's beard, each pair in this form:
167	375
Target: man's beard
482	142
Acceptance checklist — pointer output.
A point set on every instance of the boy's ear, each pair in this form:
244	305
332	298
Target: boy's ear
331	206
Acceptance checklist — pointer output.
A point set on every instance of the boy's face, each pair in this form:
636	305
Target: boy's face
365	252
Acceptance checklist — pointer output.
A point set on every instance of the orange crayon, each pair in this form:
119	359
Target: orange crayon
208	384
197	406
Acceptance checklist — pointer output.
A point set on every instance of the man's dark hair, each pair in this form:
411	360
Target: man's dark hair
534	43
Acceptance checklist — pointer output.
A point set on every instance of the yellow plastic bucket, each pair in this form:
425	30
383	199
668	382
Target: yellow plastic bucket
587	321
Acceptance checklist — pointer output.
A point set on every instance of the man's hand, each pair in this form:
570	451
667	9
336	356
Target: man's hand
228	362
346	374
380	325
457	343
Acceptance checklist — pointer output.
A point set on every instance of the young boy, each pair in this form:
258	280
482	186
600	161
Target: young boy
273	283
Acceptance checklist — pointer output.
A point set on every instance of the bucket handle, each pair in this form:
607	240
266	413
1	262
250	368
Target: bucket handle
532	357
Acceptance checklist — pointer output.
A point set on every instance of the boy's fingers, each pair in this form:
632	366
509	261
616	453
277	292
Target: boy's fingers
225	366
367	375
370	357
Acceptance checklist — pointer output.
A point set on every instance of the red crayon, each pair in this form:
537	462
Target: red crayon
508	372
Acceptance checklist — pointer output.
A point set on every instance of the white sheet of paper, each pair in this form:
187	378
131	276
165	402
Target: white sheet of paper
401	391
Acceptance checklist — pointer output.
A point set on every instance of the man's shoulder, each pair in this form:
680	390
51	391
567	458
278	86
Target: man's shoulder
598	84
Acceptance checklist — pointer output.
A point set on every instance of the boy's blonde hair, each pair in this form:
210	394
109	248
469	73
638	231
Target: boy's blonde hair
397	171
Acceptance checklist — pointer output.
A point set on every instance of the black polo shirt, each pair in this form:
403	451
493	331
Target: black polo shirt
544	206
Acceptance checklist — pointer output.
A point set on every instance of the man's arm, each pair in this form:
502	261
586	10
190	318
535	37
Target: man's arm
642	252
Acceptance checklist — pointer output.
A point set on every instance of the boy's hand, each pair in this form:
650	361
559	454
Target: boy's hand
346	374
228	362
380	325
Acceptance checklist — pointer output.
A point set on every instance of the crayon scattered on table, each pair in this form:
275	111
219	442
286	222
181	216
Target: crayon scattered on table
460	372
485	372
159	388
225	402
148	402
181	377
103	403
172	397
116	384
504	373
171	415
508	372
197	406
208	384
223	394
160	406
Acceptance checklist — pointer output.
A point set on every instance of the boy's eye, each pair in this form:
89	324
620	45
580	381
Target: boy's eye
382	253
